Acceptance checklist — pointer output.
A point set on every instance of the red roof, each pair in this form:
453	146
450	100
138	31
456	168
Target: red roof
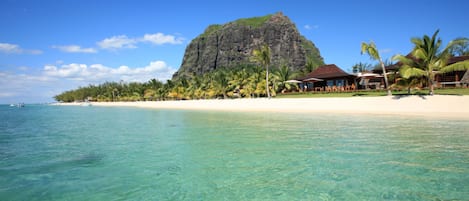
453	60
327	71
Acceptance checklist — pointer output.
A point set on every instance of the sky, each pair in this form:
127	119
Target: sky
50	46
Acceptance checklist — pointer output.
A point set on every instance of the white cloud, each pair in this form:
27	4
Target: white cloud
118	42
54	79
74	49
98	73
16	49
124	42
23	87
10	48
66	71
23	68
309	27
160	38
6	94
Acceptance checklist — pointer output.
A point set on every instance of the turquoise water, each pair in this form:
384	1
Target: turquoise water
99	153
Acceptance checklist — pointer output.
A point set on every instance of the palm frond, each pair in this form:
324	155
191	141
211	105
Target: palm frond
410	71
459	66
371	50
455	43
416	41
401	58
420	53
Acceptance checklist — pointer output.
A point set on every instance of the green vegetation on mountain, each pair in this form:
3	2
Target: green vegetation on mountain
230	45
254	22
211	29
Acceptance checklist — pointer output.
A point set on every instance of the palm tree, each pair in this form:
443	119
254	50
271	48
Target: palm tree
310	66
373	52
461	49
283	74
407	83
361	67
221	82
239	81
427	59
262	56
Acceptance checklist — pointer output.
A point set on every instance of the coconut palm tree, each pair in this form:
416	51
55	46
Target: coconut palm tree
310	66
221	82
283	74
361	67
461	49
263	56
373	52
403	83
427	59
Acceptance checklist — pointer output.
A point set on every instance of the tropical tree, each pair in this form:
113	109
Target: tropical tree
263	56
461	49
427	59
409	83
282	75
310	66
240	81
361	67
221	83
372	51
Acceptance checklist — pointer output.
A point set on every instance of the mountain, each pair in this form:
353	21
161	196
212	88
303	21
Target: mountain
231	45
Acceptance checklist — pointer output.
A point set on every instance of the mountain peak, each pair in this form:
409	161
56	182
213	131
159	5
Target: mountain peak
231	45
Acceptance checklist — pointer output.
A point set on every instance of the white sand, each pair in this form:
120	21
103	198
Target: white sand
444	106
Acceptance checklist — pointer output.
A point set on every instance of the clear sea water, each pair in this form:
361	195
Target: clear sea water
101	153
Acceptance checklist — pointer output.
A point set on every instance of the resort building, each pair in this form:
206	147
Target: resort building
451	79
331	78
328	78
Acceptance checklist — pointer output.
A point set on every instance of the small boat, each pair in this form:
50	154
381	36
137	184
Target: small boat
17	105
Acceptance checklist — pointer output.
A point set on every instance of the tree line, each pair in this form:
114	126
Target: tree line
241	82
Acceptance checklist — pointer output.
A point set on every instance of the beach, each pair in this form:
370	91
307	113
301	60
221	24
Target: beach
437	105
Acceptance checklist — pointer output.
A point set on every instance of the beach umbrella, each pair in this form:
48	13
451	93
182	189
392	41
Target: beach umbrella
312	79
293	81
368	75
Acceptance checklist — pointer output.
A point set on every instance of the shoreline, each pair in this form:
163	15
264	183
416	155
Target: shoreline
434	106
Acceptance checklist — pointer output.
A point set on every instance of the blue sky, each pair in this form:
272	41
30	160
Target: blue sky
49	46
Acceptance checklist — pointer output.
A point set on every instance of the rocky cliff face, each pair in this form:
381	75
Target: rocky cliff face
231	45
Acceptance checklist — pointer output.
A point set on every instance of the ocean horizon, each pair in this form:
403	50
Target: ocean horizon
123	153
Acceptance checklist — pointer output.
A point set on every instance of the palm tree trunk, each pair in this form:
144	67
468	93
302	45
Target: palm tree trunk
267	81
385	78
430	82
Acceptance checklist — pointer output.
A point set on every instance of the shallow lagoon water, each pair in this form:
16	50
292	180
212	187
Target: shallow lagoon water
106	153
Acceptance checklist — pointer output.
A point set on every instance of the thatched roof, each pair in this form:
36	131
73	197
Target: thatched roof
327	71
